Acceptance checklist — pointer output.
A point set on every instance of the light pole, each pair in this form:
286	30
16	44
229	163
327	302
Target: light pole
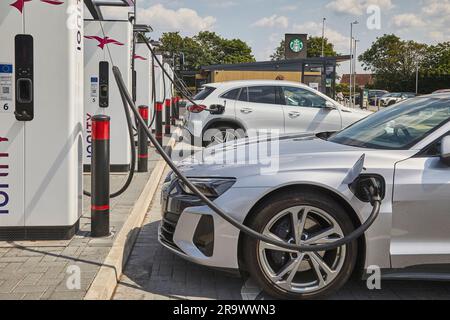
354	66
323	37
417	77
351	60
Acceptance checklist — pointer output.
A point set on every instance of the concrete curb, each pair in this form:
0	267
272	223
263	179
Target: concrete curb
105	282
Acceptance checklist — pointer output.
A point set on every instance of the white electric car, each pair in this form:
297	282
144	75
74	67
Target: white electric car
289	107
307	200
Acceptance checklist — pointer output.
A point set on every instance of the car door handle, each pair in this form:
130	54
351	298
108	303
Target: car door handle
294	114
246	110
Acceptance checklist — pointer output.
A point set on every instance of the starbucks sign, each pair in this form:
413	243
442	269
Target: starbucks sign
296	45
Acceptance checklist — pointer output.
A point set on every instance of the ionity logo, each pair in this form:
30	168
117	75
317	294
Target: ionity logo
104	41
4	172
20	4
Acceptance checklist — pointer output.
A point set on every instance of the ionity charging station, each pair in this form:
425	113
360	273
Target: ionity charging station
101	94
41	118
143	67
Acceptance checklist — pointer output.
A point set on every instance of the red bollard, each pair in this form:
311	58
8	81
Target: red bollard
159	126
143	141
167	116
100	176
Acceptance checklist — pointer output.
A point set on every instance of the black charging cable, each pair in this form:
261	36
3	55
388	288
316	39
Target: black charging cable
372	189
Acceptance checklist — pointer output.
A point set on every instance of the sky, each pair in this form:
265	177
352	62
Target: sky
263	23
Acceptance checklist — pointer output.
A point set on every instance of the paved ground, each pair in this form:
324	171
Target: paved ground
40	270
154	273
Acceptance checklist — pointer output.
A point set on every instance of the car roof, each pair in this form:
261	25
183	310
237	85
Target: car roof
243	83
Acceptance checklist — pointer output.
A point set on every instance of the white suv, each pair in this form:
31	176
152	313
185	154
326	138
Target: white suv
289	107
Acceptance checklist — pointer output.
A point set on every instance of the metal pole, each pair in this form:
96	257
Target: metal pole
143	141
351	63
417	77
323	37
100	176
354	68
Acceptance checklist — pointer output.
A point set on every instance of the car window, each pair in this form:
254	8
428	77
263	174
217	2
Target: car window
262	94
204	93
399	127
299	97
244	95
232	94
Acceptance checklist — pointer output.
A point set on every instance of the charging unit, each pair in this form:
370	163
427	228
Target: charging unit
101	94
159	86
168	87
143	67
41	103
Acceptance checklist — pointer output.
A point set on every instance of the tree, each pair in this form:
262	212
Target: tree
314	49
206	48
394	62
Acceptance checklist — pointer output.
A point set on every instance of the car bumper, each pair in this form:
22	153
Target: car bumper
196	233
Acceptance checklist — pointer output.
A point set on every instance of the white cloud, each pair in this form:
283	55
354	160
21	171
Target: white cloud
272	21
407	20
186	20
341	42
289	8
357	7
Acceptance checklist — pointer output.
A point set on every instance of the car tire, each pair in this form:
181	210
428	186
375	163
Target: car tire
229	133
391	103
266	211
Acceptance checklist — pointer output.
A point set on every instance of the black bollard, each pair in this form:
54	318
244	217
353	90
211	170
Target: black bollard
167	116
173	113
100	176
159	126
143	141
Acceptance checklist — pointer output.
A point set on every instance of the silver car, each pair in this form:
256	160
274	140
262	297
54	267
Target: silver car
307	198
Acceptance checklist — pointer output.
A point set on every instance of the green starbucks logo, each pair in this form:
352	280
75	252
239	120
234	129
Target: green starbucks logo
296	45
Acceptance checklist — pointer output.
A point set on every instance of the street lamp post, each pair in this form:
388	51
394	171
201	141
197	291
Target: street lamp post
323	37
417	77
354	66
351	60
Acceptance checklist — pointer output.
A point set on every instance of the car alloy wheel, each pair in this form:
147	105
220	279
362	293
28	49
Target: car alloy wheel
301	272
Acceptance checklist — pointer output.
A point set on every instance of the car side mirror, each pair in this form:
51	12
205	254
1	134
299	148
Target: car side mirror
216	109
445	150
329	106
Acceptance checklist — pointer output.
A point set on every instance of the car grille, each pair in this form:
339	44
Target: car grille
174	202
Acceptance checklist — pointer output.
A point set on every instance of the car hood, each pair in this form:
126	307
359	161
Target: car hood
291	153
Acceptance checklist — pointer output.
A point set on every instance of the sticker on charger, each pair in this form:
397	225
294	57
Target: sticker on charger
6	86
94	88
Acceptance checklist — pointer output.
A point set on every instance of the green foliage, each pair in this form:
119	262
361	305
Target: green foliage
394	63
206	48
314	49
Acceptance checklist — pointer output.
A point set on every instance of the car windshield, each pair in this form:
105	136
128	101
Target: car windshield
398	127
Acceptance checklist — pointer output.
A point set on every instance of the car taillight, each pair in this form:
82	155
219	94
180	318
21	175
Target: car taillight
196	108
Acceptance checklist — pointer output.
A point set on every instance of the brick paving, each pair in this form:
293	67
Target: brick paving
154	273
41	270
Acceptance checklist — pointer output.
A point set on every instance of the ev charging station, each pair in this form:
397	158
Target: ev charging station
41	103
101	92
143	67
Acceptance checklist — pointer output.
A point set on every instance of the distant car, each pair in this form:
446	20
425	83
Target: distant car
375	96
395	97
442	91
289	107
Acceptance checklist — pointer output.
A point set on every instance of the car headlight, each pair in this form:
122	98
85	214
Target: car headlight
210	187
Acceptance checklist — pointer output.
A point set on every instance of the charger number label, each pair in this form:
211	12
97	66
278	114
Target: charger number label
6	87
